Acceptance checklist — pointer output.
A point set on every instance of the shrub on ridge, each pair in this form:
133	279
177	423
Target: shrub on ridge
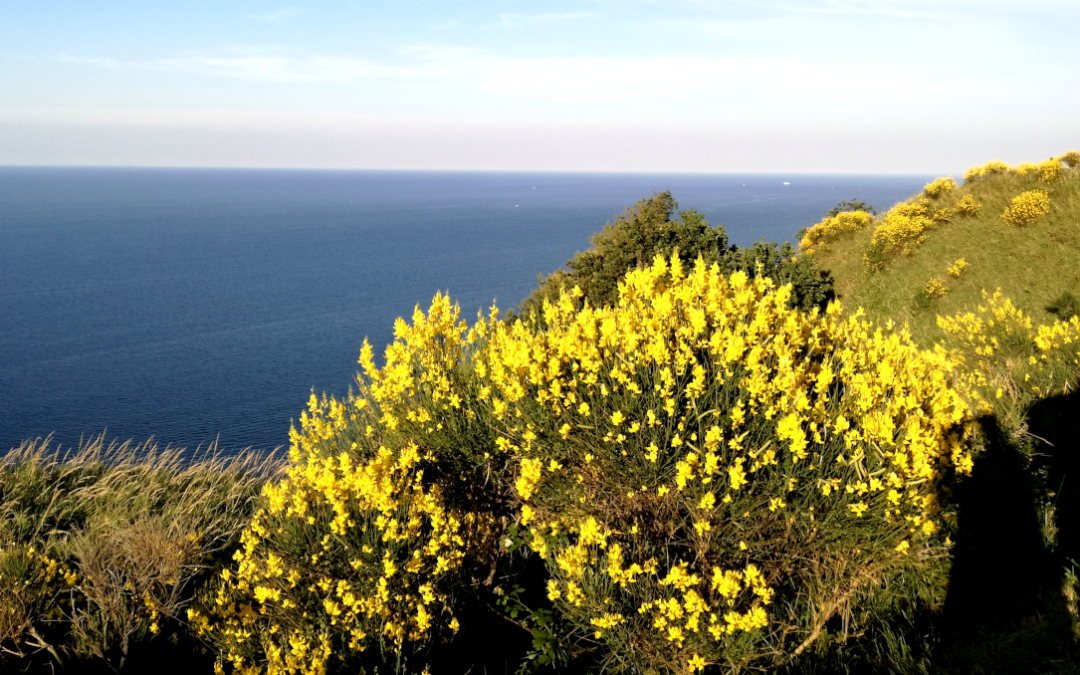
818	236
386	523
1026	208
967	206
903	228
654	226
940	187
710	476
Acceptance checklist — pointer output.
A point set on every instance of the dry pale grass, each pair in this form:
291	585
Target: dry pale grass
105	545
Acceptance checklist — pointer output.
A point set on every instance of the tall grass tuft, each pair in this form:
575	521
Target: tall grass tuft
104	546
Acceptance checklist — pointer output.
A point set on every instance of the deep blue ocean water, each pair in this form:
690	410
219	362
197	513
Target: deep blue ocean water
198	304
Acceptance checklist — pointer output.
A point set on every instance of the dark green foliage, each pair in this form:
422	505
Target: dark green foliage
654	226
812	287
1065	306
850	205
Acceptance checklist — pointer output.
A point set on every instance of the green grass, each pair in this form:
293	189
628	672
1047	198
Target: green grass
1032	265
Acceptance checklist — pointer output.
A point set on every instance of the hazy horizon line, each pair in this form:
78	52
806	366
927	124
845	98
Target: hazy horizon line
472	170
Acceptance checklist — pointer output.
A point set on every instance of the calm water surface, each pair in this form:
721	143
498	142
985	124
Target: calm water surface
195	304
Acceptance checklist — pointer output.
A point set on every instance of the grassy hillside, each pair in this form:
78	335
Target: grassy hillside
1012	598
1033	264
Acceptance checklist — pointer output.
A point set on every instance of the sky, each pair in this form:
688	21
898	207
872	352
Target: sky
817	86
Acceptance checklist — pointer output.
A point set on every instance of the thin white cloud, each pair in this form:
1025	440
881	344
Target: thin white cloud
882	8
277	16
892	9
520	19
254	65
581	79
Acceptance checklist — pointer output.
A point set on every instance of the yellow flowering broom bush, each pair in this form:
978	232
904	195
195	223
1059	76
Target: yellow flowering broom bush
939	187
1026	208
958	267
710	476
389	512
900	232
1026	168
967	206
1009	356
1046	171
989	169
1050	170
818	236
935	288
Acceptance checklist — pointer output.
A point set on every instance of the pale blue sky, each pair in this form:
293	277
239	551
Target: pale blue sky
627	85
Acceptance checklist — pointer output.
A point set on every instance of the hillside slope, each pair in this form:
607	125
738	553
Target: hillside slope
921	239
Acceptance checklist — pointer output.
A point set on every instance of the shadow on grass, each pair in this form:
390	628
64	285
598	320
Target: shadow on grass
1004	610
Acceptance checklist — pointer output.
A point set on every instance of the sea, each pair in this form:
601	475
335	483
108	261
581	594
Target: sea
199	306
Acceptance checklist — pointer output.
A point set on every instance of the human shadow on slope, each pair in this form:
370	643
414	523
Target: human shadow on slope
1054	428
1004	610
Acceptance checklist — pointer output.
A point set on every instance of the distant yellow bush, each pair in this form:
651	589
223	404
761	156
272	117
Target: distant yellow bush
939	187
957	267
1008	354
989	169
1050	170
943	215
967	206
935	288
903	228
817	237
1047	171
1026	168
1026	208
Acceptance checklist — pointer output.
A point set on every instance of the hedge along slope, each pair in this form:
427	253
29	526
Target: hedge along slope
712	476
709	475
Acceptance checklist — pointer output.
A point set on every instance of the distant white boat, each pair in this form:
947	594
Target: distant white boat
786	183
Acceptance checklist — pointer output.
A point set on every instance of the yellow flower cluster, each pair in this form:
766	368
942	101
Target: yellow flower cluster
677	459
818	236
1026	168
358	542
939	187
903	228
1047	171
967	206
936	287
1026	208
988	169
972	330
957	267
943	215
987	329
1050	170
1008	352
679	451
